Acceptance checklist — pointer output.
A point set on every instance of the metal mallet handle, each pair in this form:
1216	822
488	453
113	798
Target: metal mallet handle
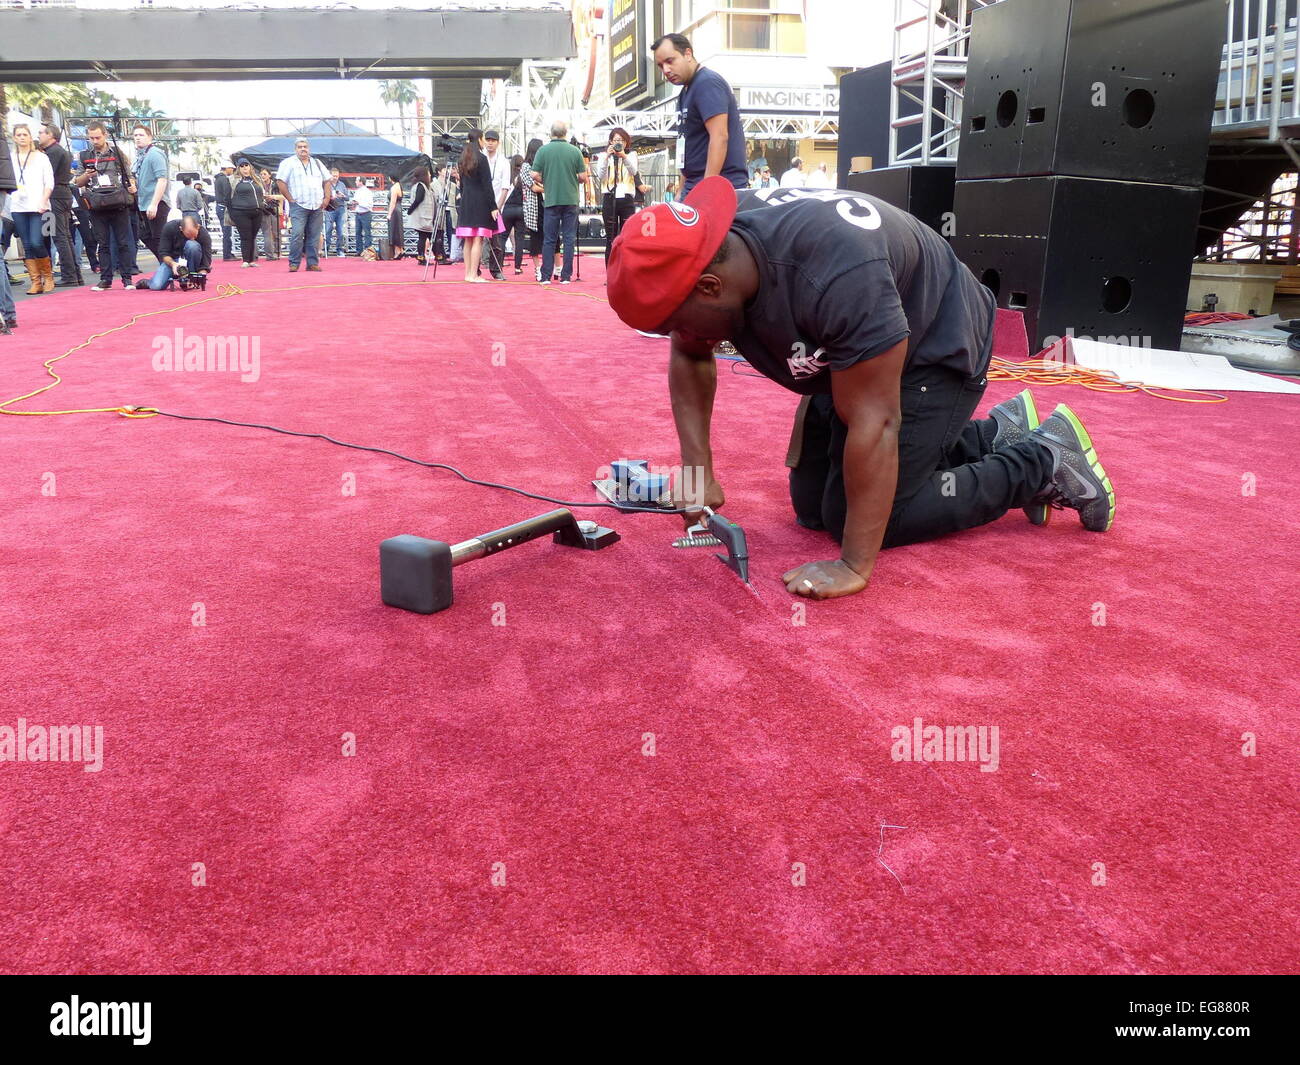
518	533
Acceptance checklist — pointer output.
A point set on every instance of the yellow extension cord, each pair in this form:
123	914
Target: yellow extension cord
1032	372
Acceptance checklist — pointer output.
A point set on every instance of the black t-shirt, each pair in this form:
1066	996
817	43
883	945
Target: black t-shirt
706	95
246	194
844	277
172	242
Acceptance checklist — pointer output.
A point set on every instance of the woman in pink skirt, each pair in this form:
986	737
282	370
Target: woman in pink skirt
479	216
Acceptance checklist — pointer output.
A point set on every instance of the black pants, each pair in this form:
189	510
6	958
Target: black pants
495	254
116	242
151	229
949	476
248	220
90	241
226	244
616	210
61	208
89	237
515	230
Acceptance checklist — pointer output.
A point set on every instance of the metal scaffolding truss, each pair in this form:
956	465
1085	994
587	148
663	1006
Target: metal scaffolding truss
931	45
1266	232
388	126
661	122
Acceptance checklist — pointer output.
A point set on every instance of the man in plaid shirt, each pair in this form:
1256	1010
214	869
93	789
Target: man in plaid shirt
304	182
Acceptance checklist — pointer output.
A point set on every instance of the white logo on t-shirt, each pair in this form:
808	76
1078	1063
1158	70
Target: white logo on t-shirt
856	210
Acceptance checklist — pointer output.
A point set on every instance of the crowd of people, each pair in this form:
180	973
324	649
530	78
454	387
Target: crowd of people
475	209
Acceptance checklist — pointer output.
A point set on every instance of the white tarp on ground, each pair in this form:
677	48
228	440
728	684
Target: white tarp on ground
1158	368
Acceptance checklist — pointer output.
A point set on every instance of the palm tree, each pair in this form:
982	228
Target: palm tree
400	92
45	97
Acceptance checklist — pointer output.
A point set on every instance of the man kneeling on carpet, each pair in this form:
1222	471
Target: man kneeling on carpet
184	248
869	315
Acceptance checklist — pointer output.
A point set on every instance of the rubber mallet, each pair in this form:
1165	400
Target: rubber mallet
415	573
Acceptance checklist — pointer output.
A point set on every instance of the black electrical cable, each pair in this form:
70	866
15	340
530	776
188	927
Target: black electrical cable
418	462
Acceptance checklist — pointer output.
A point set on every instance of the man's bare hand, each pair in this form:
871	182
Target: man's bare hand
824	580
706	494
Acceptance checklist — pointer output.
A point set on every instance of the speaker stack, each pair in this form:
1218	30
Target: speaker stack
923	191
1083	149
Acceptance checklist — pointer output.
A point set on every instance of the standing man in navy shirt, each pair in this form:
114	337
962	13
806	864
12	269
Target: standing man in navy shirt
710	139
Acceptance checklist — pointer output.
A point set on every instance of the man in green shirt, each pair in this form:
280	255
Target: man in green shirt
557	169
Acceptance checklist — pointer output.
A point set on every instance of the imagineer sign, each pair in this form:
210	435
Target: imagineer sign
822	101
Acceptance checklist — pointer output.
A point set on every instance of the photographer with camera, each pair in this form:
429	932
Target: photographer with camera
184	248
110	191
616	177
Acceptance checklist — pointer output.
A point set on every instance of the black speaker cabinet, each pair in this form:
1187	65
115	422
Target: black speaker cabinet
1106	259
1117	89
923	191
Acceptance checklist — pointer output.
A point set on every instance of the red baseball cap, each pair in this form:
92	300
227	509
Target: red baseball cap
661	252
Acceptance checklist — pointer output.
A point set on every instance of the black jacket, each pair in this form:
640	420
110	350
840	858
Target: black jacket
61	163
477	197
221	185
8	181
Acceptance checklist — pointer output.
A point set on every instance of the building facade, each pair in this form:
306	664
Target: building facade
782	58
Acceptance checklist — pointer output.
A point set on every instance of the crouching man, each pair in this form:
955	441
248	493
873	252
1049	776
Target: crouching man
184	248
867	313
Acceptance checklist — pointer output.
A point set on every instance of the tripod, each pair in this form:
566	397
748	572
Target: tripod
435	243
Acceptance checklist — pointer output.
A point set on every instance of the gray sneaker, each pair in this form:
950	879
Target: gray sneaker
1078	479
1017	417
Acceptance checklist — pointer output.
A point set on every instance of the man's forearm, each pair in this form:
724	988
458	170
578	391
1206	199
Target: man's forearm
692	384
717	155
870	481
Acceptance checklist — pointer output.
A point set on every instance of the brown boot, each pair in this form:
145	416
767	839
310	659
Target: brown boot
34	273
47	274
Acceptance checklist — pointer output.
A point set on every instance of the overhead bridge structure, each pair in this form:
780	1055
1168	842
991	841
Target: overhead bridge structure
163	44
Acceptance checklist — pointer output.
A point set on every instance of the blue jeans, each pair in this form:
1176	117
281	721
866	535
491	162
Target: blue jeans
193	255
227	251
7	309
31	231
363	231
304	232
334	224
561	223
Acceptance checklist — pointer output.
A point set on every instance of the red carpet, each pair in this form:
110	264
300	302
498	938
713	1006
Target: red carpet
484	748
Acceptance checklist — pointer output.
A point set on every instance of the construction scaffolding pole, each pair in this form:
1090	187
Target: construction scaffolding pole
928	77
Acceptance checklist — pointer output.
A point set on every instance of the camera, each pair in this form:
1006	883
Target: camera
192	281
